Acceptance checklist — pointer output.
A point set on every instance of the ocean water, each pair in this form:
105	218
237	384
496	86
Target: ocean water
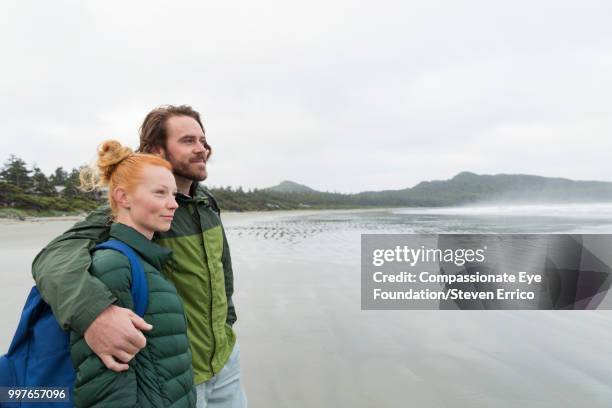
302	271
305	342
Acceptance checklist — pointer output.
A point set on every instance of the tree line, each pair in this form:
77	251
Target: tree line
27	188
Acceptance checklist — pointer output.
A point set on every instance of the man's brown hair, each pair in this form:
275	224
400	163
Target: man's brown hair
153	130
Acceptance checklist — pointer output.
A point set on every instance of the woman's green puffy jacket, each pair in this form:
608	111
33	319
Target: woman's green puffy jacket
160	375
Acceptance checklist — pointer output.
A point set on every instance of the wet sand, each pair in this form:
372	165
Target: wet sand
305	342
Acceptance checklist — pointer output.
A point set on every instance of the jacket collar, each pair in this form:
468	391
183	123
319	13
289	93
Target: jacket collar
196	195
149	251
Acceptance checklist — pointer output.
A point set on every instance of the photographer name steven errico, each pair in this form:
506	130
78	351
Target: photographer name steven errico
454	293
459	257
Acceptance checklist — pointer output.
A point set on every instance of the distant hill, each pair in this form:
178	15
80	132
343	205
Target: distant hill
464	188
469	187
290	187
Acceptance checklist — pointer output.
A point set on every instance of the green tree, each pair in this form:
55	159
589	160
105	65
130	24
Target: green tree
16	173
59	177
7	192
40	183
72	184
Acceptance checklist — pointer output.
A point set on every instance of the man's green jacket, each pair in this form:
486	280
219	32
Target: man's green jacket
201	270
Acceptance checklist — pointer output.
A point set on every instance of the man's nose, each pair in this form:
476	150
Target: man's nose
200	147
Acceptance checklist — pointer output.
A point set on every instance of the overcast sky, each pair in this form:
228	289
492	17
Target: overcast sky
337	95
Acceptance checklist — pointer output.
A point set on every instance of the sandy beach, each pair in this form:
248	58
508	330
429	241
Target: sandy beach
305	342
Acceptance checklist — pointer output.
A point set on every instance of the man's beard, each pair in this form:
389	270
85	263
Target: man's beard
182	169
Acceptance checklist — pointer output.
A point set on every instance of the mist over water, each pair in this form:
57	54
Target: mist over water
596	210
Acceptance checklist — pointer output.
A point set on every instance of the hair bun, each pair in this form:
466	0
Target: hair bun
111	153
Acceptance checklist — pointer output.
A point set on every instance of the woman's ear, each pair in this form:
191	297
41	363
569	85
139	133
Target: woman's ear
121	198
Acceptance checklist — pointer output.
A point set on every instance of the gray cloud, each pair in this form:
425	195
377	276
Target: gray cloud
346	96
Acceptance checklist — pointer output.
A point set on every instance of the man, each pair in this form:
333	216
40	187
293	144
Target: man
201	269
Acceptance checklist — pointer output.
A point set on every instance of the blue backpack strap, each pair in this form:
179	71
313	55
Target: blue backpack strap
139	289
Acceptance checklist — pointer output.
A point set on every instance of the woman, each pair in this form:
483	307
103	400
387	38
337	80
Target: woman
141	191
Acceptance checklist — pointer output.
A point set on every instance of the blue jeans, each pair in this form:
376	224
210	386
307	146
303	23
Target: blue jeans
225	389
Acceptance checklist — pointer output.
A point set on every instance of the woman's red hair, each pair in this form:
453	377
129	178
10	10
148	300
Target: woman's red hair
118	166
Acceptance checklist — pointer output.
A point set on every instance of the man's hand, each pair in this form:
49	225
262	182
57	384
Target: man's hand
115	336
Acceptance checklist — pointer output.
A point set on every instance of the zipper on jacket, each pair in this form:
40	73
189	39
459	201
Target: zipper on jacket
210	286
212	330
